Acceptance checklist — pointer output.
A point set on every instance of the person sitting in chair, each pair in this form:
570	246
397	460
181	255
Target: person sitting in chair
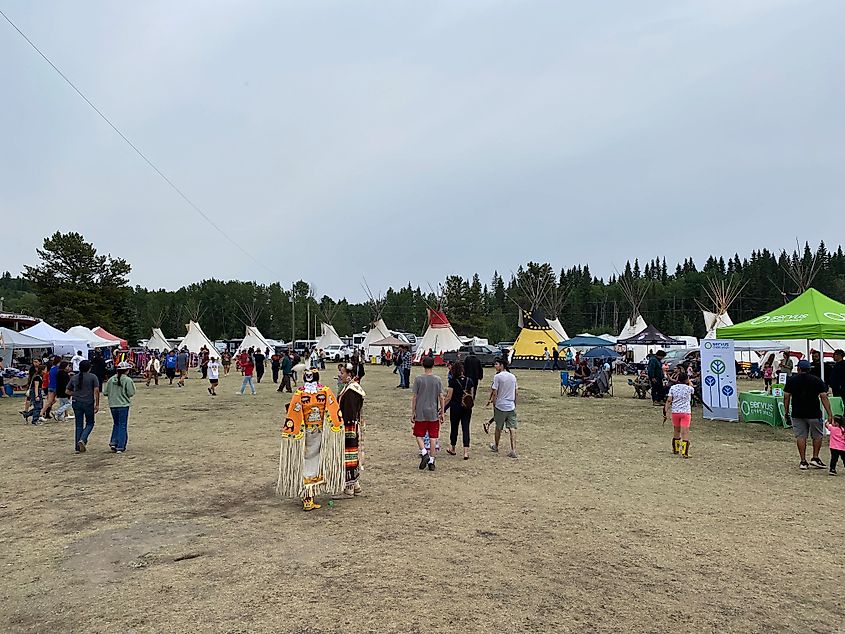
582	374
599	386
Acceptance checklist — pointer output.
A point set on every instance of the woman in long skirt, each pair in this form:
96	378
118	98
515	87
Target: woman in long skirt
351	401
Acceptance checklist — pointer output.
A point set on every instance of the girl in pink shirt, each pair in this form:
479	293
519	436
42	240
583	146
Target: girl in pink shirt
837	442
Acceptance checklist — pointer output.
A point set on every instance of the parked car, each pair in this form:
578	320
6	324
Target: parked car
676	356
335	352
504	346
485	354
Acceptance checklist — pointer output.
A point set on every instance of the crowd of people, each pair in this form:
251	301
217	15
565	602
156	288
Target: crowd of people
58	388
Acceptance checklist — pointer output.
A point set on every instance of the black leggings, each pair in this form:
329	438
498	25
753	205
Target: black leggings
835	455
459	416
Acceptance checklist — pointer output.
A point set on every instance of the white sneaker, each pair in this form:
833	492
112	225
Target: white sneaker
494	448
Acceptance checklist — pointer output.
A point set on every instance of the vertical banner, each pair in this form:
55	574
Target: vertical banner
718	379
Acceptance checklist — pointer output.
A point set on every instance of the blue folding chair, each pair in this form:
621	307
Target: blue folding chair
564	381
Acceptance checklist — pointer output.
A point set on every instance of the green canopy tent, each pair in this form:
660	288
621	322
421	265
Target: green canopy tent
810	316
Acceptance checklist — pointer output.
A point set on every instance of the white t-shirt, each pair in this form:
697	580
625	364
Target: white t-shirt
75	360
505	385
681	395
546	355
213	370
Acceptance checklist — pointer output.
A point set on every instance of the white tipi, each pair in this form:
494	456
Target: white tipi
721	293
635	294
328	336
440	337
254	339
158	341
378	329
196	339
556	297
377	332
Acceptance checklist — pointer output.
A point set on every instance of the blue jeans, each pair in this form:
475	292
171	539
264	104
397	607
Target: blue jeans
64	406
83	412
247	381
35	403
546	364
119	435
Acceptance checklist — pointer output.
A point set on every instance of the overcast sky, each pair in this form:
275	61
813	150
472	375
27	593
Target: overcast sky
404	141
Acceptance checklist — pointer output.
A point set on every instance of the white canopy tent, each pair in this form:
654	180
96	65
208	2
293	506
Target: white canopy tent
329	337
254	339
158	341
196	339
94	340
63	344
11	341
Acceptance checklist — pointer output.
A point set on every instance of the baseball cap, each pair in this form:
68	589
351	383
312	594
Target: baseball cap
123	365
803	364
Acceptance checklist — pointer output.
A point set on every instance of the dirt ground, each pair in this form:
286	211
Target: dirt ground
596	527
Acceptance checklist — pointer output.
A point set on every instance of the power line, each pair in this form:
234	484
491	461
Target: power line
164	177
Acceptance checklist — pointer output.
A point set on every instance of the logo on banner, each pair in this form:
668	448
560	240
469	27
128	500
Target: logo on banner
778	319
835	316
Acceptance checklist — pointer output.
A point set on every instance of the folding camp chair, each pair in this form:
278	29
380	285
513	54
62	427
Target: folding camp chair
640	387
572	388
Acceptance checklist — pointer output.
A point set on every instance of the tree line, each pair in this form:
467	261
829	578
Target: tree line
72	283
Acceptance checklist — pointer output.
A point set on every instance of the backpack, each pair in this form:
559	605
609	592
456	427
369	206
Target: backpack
467	401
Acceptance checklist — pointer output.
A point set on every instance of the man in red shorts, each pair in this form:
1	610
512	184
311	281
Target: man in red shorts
427	411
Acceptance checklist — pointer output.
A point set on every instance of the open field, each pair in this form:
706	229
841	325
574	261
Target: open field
597	527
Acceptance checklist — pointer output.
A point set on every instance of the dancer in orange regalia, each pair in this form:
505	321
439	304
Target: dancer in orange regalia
311	458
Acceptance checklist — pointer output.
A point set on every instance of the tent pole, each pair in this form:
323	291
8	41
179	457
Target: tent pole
821	358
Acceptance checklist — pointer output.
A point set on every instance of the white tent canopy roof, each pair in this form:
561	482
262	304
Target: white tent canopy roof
329	337
196	339
254	339
94	340
62	342
10	340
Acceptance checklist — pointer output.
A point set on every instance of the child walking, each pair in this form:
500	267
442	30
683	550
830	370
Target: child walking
680	402
214	375
247	367
837	442
768	373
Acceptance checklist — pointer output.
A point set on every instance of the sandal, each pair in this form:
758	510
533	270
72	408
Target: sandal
487	426
451	452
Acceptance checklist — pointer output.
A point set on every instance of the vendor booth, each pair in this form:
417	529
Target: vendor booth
759	406
105	334
88	335
63	344
812	318
10	341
